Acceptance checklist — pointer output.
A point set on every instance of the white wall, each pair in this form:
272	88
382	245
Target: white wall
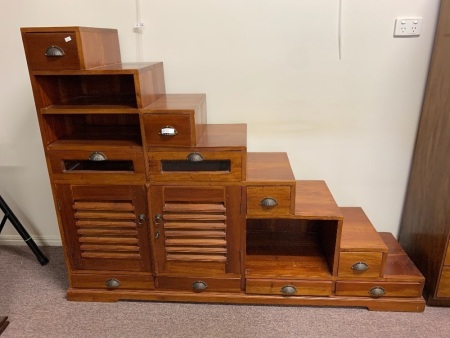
272	64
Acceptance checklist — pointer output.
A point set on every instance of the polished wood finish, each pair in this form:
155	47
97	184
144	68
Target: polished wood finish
191	217
360	243
185	113
425	226
83	47
301	288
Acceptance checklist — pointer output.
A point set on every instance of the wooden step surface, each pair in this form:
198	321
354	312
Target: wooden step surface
269	167
358	233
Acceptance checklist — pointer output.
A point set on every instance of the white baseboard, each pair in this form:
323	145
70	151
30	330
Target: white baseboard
40	241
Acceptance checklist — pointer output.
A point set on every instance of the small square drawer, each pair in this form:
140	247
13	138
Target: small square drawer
360	264
112	281
199	285
378	289
70	48
199	166
175	120
87	164
267	200
289	287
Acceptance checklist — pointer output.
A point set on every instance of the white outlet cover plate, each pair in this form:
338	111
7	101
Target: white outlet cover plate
408	27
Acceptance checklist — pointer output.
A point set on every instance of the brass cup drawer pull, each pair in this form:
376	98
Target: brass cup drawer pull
199	286
377	291
288	290
112	283
168	131
97	156
360	266
268	202
195	157
54	51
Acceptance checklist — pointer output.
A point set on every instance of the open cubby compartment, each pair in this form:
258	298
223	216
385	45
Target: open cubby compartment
290	248
79	91
84	128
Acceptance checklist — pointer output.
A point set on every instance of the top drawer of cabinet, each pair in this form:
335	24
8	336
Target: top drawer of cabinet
70	48
175	120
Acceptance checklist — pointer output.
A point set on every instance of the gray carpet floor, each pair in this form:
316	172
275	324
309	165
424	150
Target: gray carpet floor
33	298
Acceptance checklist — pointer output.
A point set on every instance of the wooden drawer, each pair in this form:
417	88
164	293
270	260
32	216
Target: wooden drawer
87	164
267	200
70	48
199	284
444	283
206	165
378	289
360	264
112	281
289	287
175	120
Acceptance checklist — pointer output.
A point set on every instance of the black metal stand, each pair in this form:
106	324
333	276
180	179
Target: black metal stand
21	230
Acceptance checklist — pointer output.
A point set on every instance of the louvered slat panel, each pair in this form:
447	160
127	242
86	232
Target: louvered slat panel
107	229
91	247
193	225
193	217
197	207
105	215
121	224
107	232
103	206
214	258
195	232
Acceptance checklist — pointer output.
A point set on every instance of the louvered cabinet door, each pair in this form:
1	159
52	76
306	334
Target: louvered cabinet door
105	227
196	230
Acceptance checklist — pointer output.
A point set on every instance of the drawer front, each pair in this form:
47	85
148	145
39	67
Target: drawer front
289	287
171	129
199	285
444	283
112	281
360	264
269	200
378	289
197	166
94	164
52	51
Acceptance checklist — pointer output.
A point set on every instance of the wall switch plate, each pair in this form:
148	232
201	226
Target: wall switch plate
407	27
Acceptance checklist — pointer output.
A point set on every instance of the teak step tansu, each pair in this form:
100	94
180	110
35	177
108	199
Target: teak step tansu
154	203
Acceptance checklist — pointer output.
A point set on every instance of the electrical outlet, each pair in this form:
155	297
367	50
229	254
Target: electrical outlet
408	27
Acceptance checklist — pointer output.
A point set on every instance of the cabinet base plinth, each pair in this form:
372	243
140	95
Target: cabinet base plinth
374	304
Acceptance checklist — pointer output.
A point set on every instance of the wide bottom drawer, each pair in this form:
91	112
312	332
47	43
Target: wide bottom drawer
289	287
112	281
378	289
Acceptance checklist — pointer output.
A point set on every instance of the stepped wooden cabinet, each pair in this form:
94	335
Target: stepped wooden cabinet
154	203
425	228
